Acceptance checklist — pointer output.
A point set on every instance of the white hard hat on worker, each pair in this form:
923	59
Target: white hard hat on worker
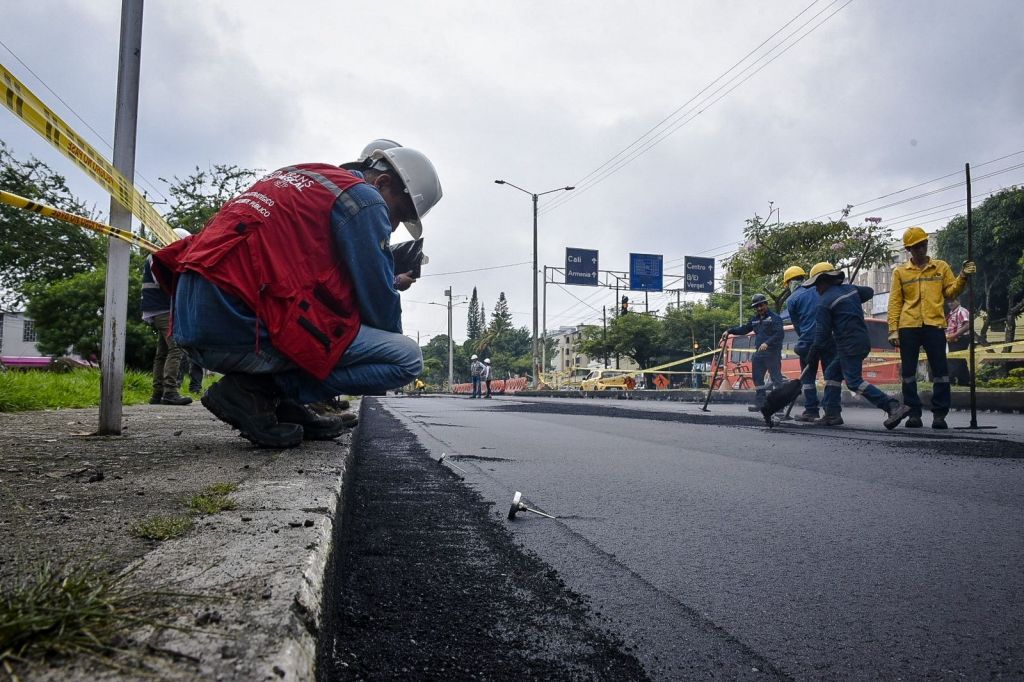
413	187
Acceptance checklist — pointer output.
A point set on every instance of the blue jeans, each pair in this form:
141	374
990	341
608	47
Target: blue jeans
933	340
807	385
376	361
476	388
848	368
769	362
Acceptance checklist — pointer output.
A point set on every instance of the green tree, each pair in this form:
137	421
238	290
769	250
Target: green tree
68	314
693	323
435	360
998	250
770	249
35	249
197	197
474	323
595	343
636	336
501	318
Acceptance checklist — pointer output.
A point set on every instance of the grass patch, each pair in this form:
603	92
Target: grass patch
40	390
162	527
77	611
213	499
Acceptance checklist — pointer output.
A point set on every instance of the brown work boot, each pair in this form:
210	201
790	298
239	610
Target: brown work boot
172	397
829	420
248	403
314	426
897	413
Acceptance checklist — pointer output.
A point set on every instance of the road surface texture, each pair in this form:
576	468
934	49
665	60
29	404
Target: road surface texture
703	544
426	586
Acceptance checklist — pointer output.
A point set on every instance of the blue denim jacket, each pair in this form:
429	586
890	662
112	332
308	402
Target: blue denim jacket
803	310
840	316
206	317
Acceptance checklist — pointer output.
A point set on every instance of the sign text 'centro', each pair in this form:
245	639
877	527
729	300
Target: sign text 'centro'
700	275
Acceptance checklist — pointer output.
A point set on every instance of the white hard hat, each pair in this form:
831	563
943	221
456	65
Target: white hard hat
487	361
472	357
182	232
418	176
379	143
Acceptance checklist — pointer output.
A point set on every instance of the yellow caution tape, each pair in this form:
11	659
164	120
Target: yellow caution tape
25	105
74	219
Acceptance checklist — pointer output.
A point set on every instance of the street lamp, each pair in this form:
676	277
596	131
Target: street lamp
534	360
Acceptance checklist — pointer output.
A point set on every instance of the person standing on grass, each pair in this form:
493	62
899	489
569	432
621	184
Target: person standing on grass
958	338
156	312
916	320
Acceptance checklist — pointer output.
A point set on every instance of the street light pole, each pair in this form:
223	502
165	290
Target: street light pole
535	358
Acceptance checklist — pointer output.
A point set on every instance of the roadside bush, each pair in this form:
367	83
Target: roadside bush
1014	380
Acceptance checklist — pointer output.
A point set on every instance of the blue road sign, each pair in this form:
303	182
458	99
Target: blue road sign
700	275
581	267
645	271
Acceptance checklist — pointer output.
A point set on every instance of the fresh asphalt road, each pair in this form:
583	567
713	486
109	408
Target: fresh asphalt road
718	547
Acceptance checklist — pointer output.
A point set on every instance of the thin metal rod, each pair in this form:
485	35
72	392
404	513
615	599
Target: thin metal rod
970	300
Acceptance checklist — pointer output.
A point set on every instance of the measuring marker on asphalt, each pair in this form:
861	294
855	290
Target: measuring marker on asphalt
518	505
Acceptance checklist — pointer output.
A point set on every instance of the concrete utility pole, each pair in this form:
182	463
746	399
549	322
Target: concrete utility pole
115	299
451	351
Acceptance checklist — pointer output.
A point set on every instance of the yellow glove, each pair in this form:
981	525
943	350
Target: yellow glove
894	339
969	268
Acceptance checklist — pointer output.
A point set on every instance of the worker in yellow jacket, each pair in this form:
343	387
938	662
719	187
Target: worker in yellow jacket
917	320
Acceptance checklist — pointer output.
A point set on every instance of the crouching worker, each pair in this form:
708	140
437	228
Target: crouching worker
840	321
289	291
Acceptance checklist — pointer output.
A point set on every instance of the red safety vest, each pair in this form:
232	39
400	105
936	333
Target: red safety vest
271	246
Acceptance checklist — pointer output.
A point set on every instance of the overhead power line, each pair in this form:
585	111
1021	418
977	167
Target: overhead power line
685	114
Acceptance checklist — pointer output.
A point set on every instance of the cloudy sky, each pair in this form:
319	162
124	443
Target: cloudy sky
676	119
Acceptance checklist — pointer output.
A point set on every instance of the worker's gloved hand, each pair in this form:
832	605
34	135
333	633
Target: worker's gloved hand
763	347
969	268
404	280
894	339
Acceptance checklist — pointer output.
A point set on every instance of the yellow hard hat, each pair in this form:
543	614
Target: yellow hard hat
791	272
823	266
914	235
823	269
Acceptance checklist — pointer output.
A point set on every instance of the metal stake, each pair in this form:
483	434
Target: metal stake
518	505
444	456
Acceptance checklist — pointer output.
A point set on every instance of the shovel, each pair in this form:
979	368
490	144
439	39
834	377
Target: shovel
787	393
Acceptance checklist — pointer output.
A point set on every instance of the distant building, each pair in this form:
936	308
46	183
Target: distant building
567	356
18	341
